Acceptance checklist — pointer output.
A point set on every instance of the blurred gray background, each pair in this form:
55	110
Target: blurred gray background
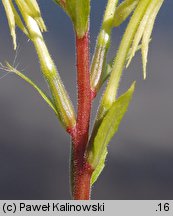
34	149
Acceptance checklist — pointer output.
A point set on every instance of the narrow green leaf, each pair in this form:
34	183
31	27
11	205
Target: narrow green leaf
99	167
106	73
31	8
111	90
11	19
141	29
109	14
36	13
108	69
18	20
108	127
147	34
102	46
123	11
59	94
11	69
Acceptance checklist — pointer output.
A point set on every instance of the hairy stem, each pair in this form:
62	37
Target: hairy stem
81	173
80	170
84	91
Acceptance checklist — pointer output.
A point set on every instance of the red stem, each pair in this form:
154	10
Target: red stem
81	171
84	90
81	174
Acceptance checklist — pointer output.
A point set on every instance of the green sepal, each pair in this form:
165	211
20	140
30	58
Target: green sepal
108	127
11	69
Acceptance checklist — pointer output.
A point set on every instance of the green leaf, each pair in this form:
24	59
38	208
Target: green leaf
99	167
35	13
9	68
111	90
79	11
123	11
31	8
102	46
141	29
11	19
106	73
18	20
108	127
147	34
144	32
108	69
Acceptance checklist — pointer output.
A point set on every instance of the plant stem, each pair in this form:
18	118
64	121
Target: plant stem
84	90
81	173
80	170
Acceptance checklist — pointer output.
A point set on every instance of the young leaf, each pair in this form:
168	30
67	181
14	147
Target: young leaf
59	94
35	13
123	11
108	127
11	19
31	8
140	30
19	22
102	47
106	73
99	167
147	34
108	69
111	90
11	69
